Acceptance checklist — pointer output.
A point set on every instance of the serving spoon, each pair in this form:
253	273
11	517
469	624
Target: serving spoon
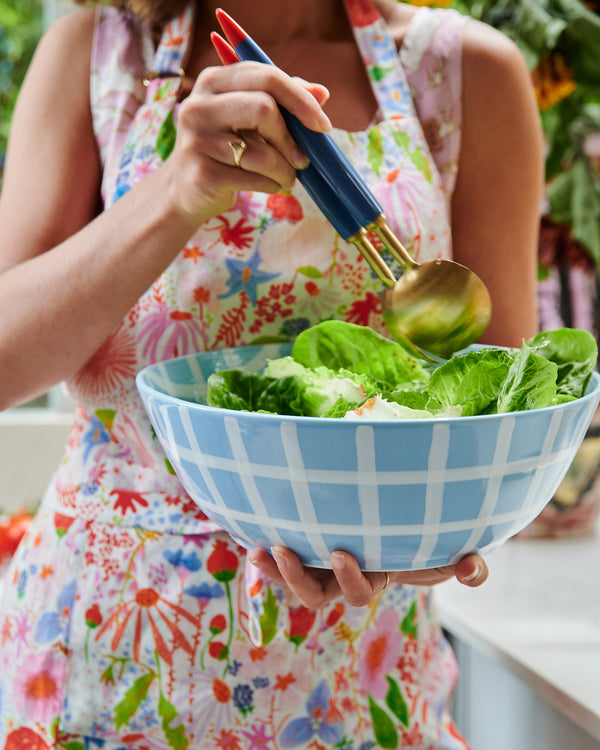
434	308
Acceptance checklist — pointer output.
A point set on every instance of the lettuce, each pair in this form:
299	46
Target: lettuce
359	349
336	369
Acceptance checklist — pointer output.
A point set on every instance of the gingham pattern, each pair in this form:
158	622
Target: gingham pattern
396	494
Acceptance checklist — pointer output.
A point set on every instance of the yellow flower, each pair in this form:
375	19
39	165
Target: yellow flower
552	81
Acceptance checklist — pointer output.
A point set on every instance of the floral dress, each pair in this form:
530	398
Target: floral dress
128	619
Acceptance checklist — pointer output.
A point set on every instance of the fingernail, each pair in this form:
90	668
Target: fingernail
325	121
279	557
299	159
474	575
340	559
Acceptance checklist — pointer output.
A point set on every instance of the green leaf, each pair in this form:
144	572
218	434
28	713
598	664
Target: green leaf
268	618
132	700
378	72
471	380
384	730
375	150
408	626
530	383
165	143
418	159
175	736
72	745
338	345
311	272
574	351
586	209
396	703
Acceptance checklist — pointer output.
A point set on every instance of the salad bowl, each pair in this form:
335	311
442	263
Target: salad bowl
397	494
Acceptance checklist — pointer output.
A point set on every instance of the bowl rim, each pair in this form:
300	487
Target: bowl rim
593	391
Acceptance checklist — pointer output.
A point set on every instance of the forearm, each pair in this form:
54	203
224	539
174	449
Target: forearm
58	307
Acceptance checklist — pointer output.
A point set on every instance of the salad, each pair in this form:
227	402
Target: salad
346	371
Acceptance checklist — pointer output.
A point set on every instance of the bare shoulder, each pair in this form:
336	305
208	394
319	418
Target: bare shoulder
397	16
492	60
67	44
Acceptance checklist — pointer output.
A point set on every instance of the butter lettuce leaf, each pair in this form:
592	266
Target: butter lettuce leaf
472	380
530	383
248	391
339	345
574	351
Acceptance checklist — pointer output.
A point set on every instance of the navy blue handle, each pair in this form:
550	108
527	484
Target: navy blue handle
343	220
345	186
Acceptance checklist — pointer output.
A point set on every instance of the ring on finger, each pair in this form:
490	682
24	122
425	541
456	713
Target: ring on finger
238	147
387	581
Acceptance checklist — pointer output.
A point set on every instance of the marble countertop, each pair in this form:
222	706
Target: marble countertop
538	615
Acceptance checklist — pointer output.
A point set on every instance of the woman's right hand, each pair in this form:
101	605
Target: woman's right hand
229	103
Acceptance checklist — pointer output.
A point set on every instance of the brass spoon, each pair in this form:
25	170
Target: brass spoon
434	308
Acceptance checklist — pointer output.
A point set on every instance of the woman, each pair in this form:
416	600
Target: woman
129	620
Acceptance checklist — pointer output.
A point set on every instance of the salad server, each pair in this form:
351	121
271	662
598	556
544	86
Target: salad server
434	308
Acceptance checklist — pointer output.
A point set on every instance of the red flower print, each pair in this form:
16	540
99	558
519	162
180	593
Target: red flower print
301	621
126	500
11	533
148	604
221	690
222	563
235	235
228	740
361	12
283	682
218	650
217	624
201	295
285	206
93	617
25	739
113	364
334	615
311	288
360	311
192	252
62	523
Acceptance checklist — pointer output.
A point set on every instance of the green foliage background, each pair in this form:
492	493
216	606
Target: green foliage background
20	30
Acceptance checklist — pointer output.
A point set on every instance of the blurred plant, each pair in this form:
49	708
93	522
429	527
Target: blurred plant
560	40
20	30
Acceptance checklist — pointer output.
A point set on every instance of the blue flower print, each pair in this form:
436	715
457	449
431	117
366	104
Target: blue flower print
300	731
97	434
244	275
55	623
178	559
205	591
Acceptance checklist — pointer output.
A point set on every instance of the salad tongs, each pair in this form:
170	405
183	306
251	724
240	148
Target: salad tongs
437	307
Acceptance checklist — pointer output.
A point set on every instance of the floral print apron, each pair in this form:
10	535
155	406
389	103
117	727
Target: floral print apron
128	619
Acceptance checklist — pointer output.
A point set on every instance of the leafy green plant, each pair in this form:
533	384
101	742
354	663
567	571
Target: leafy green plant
20	30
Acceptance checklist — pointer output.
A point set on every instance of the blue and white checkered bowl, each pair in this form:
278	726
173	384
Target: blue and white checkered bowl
398	494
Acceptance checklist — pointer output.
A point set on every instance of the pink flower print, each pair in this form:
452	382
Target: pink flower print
258	738
110	368
169	333
378	652
246	206
37	686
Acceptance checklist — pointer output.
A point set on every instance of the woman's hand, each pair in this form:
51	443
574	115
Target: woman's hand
315	587
230	103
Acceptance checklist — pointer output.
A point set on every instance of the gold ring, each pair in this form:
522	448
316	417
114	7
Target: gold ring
238	148
387	581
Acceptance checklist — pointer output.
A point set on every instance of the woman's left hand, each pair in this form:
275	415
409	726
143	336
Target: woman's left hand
315	587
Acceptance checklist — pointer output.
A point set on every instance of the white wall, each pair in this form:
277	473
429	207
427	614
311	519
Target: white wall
31	446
